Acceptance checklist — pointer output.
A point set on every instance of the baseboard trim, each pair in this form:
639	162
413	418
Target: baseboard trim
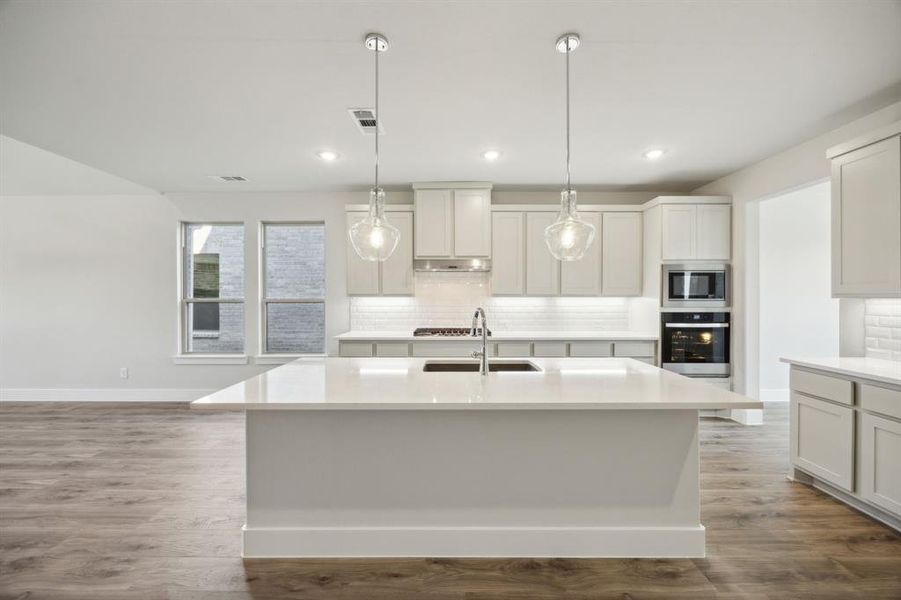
874	512
474	542
775	395
102	394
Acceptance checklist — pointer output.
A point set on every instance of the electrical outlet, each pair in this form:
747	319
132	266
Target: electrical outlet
123	372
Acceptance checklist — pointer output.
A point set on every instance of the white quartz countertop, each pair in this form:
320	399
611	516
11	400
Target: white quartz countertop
401	384
503	336
874	369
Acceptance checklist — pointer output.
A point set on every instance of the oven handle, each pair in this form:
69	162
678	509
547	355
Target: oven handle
698	325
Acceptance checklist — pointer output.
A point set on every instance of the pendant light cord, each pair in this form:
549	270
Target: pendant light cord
377	115
568	186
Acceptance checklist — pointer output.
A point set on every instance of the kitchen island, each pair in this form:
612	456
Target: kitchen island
385	457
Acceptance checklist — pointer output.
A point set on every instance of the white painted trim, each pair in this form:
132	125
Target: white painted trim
453	185
798	475
747	416
102	394
211	359
877	135
281	359
474	542
388	208
775	395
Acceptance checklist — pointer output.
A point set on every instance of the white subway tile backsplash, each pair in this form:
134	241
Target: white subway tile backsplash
449	299
882	321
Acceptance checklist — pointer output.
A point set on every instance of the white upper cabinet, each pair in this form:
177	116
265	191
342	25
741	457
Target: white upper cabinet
714	237
583	277
472	223
621	254
393	277
507	253
680	231
362	275
433	211
397	271
452	222
542	269
696	232
866	220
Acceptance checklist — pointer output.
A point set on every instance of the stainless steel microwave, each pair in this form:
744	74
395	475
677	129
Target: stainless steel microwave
702	285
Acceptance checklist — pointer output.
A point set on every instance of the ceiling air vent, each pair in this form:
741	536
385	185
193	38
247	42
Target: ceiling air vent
228	178
365	120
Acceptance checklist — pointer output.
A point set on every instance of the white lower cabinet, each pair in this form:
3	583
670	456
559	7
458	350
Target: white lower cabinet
355	349
392	349
590	349
511	349
880	462
549	349
822	441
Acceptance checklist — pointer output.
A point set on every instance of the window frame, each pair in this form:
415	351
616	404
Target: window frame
265	301
183	355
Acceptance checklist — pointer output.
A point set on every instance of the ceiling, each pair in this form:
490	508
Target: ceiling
168	93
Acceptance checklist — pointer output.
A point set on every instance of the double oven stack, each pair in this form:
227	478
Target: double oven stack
695	320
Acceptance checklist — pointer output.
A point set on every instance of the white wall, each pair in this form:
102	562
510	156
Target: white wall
798	316
795	167
88	285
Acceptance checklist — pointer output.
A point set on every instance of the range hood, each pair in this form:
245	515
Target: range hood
450	265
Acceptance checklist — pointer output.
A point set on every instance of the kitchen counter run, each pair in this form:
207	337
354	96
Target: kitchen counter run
503	336
874	369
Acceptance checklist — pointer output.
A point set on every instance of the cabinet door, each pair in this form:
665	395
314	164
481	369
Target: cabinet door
866	220
433	215
362	275
679	234
621	255
880	462
507	253
542	269
714	232
583	277
472	223
397	271
822	439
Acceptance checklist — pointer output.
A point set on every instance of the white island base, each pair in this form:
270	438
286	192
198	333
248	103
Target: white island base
376	458
473	483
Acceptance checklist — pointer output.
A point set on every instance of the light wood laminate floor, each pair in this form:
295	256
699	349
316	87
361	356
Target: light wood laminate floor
145	501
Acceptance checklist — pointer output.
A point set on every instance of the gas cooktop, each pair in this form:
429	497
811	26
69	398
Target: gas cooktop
445	332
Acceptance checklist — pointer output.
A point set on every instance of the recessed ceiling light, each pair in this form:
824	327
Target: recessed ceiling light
491	154
327	155
654	154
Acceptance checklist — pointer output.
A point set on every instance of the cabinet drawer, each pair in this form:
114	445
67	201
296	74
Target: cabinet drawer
355	349
591	348
822	440
392	349
452	349
637	349
549	349
880	462
514	349
822	386
879	400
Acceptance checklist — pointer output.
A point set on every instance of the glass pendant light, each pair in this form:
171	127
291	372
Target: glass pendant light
374	238
569	237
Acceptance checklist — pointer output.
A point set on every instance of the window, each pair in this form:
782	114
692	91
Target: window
212	301
293	286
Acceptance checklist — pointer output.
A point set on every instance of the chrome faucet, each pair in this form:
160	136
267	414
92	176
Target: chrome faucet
474	331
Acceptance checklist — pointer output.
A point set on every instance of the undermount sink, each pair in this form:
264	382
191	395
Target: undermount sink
473	367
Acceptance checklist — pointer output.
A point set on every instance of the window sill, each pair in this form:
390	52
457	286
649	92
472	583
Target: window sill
281	359
210	359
